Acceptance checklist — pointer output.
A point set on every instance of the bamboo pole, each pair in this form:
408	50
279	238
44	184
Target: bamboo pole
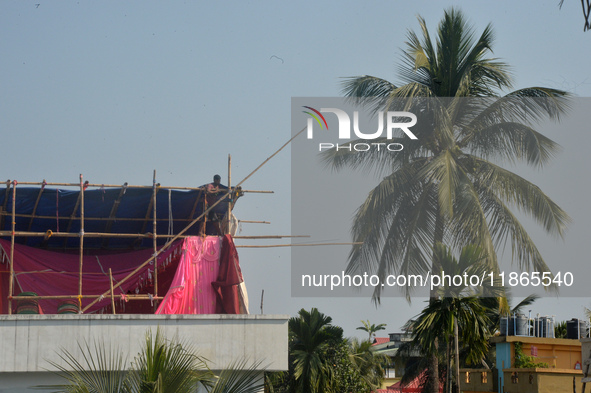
149	212
154	257
195	204
229	193
113	213
300	245
92	185
35	207
269	236
271	156
98	218
155	235
57	297
72	216
253	222
131	235
112	291
71	234
81	241
3	212
11	281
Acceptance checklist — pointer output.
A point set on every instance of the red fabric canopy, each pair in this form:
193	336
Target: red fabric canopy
229	278
50	273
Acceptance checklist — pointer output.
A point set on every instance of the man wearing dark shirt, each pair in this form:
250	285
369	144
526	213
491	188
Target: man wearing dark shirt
211	196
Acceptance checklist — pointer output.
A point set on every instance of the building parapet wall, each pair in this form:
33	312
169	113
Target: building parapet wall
541	380
27	342
478	380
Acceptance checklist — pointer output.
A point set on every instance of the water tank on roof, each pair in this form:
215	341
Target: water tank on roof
504	326
544	327
520	325
576	329
516	325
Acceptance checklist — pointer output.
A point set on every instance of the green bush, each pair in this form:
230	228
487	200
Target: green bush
524	361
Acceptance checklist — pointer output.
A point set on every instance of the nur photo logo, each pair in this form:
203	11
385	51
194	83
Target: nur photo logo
388	121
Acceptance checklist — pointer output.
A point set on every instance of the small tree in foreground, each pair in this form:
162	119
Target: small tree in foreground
161	367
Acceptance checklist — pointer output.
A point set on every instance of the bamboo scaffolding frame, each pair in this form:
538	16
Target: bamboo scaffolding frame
82	234
155	256
112	292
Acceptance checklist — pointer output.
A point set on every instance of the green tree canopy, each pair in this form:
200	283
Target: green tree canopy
312	335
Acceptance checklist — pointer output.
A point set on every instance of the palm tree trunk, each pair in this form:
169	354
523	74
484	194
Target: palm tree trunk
433	364
457	356
433	368
448	373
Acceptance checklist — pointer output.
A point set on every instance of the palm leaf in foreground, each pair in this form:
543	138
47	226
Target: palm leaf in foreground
102	370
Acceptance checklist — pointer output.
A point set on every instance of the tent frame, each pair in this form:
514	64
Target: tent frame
12	186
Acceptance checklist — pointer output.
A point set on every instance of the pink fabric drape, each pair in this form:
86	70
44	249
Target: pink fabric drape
191	291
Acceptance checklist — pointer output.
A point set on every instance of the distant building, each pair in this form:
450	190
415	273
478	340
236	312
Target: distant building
563	357
389	346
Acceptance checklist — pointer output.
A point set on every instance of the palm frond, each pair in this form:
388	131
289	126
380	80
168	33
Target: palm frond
101	369
528	197
173	366
240	376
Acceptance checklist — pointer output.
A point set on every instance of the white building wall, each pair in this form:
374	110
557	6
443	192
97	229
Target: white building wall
27	342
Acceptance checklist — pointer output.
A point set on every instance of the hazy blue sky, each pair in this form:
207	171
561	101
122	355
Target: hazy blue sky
116	89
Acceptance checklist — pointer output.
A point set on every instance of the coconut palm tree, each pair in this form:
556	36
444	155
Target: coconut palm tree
370	365
448	185
457	312
312	335
371	329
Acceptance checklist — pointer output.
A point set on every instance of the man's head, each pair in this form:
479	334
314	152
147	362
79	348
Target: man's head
217	179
